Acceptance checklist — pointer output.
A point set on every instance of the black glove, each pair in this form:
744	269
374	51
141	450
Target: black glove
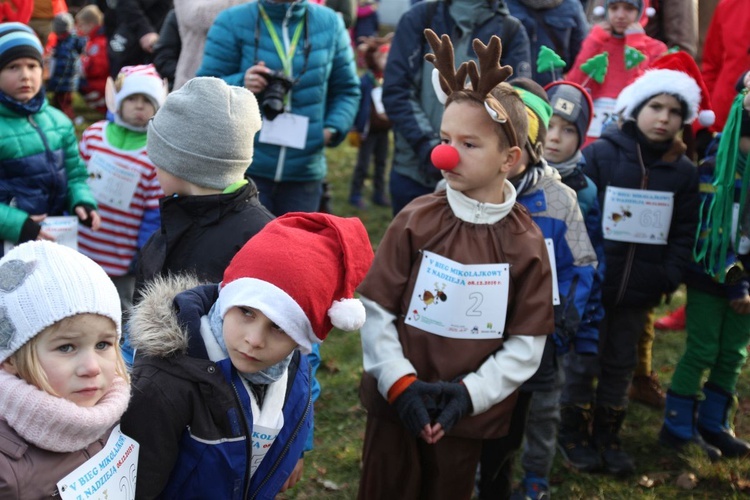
29	231
455	403
415	404
567	322
89	209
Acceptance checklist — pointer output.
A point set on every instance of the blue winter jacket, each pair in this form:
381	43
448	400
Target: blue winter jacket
65	68
588	329
327	91
554	208
191	415
408	95
560	28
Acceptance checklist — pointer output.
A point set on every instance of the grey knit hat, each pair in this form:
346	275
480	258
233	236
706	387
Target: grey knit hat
571	102
204	133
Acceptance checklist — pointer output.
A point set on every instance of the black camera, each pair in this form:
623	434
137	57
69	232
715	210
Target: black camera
273	97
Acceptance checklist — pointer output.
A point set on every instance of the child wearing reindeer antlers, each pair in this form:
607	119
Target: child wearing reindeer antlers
457	299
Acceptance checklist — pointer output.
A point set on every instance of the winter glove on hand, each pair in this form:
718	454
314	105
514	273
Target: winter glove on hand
415	404
455	403
88	208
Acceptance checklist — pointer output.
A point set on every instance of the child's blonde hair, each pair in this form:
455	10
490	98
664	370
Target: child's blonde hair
90	14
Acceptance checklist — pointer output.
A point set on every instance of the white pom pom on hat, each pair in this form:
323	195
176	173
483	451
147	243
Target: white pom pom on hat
599	11
347	314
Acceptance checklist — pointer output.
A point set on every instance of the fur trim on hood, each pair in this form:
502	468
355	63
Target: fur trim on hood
154	328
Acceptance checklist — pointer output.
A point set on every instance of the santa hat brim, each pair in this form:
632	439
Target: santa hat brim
660	81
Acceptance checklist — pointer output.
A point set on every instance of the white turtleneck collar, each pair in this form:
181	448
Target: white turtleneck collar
469	210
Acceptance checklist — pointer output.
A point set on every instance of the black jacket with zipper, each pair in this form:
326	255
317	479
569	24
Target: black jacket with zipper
637	274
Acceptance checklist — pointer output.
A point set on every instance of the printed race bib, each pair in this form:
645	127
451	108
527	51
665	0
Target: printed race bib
637	216
110	183
553	265
604	109
110	474
263	438
64	228
459	301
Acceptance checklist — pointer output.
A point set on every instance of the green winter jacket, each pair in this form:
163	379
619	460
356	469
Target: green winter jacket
41	171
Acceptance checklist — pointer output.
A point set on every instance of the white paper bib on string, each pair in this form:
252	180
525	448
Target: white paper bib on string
110	474
110	183
287	129
604	109
64	228
637	216
459	301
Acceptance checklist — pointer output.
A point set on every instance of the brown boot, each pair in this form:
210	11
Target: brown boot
646	389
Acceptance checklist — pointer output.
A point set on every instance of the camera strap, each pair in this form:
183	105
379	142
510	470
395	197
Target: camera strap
286	56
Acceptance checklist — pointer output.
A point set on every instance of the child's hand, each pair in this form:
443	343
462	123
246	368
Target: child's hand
741	306
43	235
148	41
413	405
634	28
456	403
88	217
295	476
606	26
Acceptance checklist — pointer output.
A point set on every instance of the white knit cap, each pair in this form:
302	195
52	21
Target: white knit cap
142	79
42	283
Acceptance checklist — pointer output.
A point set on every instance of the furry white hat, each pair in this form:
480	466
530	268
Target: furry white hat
42	283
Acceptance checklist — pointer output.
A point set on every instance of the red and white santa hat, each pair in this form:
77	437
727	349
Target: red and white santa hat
301	271
675	74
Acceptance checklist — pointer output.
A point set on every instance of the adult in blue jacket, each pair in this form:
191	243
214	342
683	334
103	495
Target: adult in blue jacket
408	95
309	44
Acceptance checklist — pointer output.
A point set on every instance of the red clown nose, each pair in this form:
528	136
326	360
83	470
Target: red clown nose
444	157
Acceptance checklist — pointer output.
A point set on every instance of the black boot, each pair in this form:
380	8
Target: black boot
606	428
715	422
678	430
574	439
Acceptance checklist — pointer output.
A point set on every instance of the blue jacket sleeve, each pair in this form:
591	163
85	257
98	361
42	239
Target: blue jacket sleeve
314	359
342	98
367	83
586	340
401	87
150	223
222	52
517	54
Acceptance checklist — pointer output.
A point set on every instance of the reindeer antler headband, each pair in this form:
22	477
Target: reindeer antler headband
452	80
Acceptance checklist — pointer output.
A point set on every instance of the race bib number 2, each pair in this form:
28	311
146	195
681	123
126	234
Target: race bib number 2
454	300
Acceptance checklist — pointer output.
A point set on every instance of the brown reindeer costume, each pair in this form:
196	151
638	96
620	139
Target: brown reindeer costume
467	385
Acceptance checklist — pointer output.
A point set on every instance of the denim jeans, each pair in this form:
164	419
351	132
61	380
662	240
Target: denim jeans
289	196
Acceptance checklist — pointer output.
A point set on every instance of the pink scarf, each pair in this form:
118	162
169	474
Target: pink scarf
54	423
